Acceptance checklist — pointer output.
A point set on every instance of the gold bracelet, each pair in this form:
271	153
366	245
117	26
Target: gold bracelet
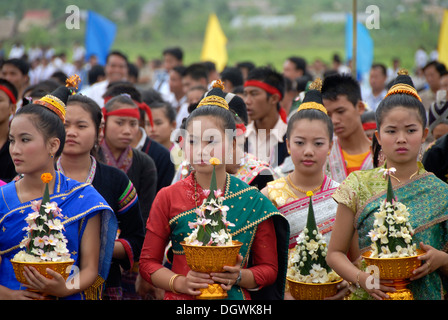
357	279
172	283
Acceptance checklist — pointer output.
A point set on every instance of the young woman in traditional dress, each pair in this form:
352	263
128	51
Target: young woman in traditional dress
37	137
78	161
401	123
261	269
309	140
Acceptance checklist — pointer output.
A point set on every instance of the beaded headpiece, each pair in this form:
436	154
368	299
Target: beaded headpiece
57	99
313	97
215	100
403	84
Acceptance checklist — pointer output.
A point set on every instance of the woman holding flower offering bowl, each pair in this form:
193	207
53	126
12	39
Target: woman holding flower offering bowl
250	217
419	200
79	162
37	137
309	140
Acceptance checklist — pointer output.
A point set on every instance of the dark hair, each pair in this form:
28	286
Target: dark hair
196	71
400	100
123	98
151	95
238	90
270	77
310	114
380	66
341	84
119	87
299	62
368	116
10	86
133	70
440	67
95	72
209	65
246	64
175	52
41	89
20	64
233	75
225	116
47	122
376	149
89	105
59	76
117	53
168	110
179	69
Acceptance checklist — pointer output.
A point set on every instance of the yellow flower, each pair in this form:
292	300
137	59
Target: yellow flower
46	177
309	193
214	161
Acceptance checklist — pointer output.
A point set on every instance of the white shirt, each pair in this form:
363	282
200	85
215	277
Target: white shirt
263	146
373	101
96	92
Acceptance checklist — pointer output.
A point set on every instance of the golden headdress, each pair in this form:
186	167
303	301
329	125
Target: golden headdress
313	97
403	84
213	99
57	100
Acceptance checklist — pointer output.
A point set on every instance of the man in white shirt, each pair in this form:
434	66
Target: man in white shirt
178	98
116	69
263	91
377	90
172	57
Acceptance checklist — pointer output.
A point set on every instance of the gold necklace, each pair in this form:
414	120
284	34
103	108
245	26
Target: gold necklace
288	177
412	175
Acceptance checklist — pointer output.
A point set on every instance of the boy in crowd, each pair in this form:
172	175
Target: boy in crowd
263	91
341	95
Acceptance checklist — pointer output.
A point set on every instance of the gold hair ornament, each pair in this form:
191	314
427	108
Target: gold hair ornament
73	81
214	100
54	104
403	87
312	105
316	85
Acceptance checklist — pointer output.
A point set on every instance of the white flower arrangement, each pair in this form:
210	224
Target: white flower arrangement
391	235
45	240
210	227
306	261
310	252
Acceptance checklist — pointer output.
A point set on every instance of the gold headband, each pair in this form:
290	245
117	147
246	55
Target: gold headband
403	87
54	104
315	85
312	105
215	100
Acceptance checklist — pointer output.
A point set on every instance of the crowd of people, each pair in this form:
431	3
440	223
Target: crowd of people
133	140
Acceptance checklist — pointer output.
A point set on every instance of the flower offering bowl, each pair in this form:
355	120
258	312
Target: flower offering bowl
60	267
312	291
397	269
208	259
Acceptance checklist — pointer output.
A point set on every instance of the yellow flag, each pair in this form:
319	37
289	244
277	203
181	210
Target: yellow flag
214	47
443	39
